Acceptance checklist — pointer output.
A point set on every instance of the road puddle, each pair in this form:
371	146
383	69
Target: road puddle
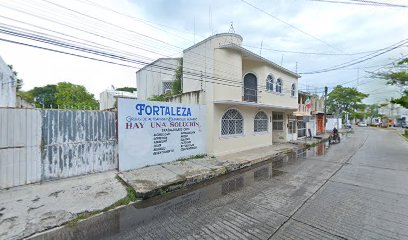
114	224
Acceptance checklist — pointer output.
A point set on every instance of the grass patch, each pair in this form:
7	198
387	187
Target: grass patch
130	197
405	135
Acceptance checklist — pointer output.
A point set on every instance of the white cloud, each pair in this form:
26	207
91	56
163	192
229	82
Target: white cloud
349	28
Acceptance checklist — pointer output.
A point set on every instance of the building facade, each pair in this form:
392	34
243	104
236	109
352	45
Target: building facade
108	99
156	78
309	115
8	86
248	98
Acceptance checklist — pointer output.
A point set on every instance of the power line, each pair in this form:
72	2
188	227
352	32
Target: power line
237	83
313	53
290	25
362	3
362	59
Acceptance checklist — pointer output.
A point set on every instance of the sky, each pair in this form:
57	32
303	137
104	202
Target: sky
288	30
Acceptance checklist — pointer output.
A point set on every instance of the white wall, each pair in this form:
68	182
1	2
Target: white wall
8	86
108	98
149	79
333	122
39	144
219	144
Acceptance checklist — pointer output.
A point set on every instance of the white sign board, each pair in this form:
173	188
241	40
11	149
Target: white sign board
157	132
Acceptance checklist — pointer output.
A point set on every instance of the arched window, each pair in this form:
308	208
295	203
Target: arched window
279	85
293	90
232	123
269	82
250	87
261	122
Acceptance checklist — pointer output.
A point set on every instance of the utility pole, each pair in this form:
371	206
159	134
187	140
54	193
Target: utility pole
325	107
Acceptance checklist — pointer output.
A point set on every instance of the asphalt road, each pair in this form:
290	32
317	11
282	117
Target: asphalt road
357	189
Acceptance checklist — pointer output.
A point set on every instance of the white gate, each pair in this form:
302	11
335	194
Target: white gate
20	140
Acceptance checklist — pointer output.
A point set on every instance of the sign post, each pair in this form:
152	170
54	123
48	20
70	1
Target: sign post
156	132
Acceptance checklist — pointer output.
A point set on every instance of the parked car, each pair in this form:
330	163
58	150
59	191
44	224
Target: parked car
348	125
362	124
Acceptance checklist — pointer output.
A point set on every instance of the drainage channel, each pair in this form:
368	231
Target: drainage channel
113	224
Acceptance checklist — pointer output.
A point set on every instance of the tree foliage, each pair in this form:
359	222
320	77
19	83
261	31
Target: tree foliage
63	95
160	98
70	95
403	101
19	80
127	89
42	96
176	86
398	76
345	99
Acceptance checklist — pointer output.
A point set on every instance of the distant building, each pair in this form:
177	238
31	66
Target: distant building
8	85
310	108
156	78
108	99
21	103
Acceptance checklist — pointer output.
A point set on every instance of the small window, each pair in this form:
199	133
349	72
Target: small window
293	90
277	121
261	122
166	87
232	123
279	86
269	82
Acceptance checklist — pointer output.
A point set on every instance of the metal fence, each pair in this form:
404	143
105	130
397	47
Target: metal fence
38	145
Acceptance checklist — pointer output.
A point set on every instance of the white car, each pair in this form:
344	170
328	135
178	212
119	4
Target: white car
362	124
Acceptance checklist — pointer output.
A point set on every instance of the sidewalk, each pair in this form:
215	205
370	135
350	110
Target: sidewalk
158	179
34	208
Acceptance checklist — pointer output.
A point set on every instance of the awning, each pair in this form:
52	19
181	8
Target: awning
301	114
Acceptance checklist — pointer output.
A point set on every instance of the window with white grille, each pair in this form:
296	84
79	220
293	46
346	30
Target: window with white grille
279	86
277	121
232	123
269	82
166	87
261	122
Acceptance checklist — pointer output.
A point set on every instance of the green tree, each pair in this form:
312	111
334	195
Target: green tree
42	96
19	80
176	86
160	98
127	89
345	100
70	95
397	75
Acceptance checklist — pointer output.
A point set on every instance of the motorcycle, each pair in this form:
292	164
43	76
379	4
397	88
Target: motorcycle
334	138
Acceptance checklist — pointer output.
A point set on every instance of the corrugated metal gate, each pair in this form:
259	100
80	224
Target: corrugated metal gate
40	144
20	140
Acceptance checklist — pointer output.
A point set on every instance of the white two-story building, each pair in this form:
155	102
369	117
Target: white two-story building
8	85
248	98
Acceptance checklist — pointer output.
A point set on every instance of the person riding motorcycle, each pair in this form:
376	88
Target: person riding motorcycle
335	135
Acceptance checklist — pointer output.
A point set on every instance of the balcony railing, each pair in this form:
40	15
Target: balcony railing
303	108
250	95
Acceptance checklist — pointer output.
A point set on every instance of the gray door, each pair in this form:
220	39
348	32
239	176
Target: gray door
250	86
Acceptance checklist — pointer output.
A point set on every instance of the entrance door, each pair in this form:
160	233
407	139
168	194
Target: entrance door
320	124
250	86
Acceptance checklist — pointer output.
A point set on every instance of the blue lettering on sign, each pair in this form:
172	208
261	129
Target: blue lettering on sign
143	109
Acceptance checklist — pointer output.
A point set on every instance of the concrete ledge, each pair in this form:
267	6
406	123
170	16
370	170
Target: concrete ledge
160	179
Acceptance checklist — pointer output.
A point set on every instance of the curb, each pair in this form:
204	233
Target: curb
211	174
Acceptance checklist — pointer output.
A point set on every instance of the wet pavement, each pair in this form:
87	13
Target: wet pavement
353	190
